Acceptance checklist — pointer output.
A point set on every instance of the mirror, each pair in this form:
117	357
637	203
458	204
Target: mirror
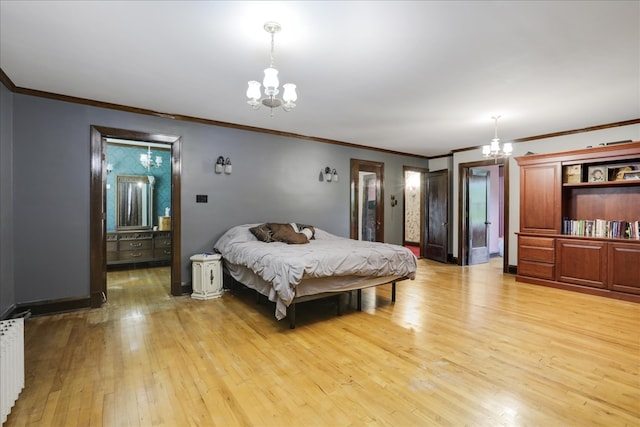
134	202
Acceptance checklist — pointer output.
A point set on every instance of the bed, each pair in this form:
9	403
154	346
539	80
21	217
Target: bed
317	265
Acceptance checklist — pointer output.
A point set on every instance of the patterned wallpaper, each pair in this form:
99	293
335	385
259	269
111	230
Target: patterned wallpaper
126	161
412	207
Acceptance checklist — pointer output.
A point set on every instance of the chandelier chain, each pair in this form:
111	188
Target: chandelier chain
272	45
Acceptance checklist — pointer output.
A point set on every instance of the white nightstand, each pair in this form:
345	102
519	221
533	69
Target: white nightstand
206	276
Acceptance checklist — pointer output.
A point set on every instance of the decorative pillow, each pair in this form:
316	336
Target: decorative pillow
263	233
287	233
307	230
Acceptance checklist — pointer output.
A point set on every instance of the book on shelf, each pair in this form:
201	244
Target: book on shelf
601	228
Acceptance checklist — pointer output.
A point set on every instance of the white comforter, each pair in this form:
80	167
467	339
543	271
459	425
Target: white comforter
284	265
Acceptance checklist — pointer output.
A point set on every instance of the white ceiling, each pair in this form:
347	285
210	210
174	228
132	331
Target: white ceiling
421	77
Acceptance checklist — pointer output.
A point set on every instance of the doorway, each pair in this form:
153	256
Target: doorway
367	200
477	241
98	209
479	208
413	226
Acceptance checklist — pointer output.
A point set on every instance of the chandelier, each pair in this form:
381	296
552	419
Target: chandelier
147	160
493	150
271	83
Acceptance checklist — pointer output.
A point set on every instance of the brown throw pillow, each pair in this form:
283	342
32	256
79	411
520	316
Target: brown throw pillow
262	233
286	233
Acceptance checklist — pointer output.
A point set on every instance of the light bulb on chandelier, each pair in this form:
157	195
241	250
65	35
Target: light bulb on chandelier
271	83
493	150
147	160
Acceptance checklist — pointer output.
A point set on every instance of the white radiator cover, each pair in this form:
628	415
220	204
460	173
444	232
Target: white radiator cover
11	364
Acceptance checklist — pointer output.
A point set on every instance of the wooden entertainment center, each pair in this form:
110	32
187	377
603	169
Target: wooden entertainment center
579	218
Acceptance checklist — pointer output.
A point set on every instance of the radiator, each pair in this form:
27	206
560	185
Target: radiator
11	364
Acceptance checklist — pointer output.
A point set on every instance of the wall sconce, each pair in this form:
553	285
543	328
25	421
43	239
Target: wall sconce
327	174
109	168
219	164
223	165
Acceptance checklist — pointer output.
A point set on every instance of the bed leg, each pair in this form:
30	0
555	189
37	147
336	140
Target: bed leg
359	300
393	291
291	314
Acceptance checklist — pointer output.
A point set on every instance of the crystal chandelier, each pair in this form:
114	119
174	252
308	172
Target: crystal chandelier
271	83
493	150
147	160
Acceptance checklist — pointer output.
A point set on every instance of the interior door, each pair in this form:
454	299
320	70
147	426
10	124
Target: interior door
437	235
367	200
502	206
478	216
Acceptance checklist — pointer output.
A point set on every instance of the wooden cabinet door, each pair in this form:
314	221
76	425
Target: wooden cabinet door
540	196
582	262
624	267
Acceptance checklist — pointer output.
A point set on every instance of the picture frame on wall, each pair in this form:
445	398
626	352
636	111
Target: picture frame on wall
597	173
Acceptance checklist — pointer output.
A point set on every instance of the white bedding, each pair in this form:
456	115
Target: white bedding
285	266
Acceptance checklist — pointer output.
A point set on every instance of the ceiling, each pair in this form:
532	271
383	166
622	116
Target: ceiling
421	77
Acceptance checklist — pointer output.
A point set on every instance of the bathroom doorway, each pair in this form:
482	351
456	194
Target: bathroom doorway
99	206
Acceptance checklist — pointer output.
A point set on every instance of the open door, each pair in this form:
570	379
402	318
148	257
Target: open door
478	216
437	227
498	207
367	200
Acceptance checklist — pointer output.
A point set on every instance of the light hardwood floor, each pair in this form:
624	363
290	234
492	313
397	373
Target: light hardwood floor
461	346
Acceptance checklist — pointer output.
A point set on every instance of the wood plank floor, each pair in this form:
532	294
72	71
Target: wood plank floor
461	346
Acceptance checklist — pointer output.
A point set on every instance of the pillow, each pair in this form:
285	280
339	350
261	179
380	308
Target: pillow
262	232
287	233
237	234
307	230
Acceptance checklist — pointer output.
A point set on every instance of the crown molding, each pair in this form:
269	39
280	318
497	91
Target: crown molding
42	94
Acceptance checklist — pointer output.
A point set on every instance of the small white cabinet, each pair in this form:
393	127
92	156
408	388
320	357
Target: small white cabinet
206	276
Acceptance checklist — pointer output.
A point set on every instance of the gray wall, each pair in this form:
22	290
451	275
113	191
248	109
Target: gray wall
7	284
274	179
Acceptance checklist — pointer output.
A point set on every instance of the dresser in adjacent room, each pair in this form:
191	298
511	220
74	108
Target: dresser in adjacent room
128	247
